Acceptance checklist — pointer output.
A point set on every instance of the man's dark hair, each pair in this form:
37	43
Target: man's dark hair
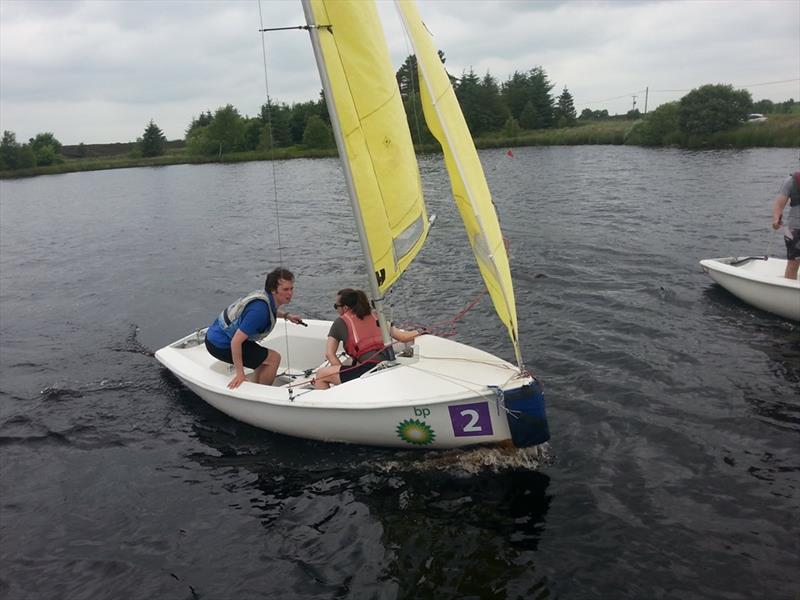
271	282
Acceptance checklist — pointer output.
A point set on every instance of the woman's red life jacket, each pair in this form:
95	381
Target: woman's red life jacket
363	335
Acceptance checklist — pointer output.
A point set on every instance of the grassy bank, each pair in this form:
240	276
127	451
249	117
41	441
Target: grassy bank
778	131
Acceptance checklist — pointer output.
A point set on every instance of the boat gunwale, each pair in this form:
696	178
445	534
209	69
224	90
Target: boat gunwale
717	265
253	392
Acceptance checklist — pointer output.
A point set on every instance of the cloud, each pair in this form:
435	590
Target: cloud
99	71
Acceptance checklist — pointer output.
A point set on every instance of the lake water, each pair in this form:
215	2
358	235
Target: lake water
674	465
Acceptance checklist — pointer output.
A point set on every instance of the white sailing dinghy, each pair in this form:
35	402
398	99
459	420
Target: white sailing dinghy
759	281
438	393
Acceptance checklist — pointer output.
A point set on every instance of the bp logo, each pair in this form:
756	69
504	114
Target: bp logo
416	432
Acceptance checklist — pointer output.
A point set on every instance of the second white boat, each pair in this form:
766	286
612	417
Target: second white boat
759	281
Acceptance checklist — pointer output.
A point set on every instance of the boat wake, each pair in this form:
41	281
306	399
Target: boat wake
466	462
132	343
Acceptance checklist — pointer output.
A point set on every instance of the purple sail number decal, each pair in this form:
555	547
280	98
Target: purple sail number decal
471	419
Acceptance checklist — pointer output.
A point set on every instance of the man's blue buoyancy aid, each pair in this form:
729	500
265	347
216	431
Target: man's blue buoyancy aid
229	319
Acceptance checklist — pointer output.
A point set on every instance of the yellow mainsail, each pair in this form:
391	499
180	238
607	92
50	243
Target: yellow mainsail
470	190
375	141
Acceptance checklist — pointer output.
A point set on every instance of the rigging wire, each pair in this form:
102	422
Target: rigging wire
274	169
271	133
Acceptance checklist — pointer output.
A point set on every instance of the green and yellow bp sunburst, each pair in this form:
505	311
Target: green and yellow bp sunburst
416	432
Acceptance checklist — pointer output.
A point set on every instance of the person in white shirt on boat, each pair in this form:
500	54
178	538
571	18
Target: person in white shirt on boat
789	194
357	329
232	336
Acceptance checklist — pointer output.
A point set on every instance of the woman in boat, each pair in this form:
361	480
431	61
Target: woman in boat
232	336
357	329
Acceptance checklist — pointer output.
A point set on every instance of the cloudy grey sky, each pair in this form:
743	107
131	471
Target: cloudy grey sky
97	71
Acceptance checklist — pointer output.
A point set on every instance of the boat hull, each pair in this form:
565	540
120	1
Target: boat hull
759	281
443	394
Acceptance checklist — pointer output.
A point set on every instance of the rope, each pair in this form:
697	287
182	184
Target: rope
448	328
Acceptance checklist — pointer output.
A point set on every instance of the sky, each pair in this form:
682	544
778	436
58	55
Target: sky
97	71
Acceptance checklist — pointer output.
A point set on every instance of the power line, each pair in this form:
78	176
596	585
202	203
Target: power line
629	94
746	85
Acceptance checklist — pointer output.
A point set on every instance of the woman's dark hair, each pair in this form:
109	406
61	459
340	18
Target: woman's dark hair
355	300
271	282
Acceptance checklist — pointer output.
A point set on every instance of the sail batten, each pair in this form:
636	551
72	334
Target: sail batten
470	190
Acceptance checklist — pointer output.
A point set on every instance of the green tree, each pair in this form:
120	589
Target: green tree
516	94
532	88
14	155
226	132
711	108
275	118
204	120
301	112
25	157
407	77
47	156
658	128
46	149
764	106
252	133
317	133
45	139
540	96
529	118
469	97
496	113
198	142
152	141
565	114
511	129
420	134
9	149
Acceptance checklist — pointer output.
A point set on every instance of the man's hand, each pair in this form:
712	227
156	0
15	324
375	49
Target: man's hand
294	318
237	380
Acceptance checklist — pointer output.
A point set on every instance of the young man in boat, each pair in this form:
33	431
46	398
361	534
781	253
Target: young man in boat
232	336
356	328
790	193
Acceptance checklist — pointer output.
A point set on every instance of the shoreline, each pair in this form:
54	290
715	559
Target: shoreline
614	132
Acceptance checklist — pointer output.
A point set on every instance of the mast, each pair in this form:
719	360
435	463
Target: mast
377	298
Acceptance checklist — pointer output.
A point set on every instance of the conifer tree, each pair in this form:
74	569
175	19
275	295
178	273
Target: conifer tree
152	142
529	118
565	110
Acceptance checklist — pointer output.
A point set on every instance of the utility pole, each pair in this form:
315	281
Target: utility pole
646	92
633	108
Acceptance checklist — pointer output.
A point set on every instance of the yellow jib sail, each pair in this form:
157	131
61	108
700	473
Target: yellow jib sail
378	150
470	190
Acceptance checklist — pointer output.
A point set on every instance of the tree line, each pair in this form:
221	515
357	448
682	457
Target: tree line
524	102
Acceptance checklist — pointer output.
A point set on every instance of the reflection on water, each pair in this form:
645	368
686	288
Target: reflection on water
419	524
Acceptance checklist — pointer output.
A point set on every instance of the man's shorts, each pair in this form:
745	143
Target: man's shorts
253	355
792	244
